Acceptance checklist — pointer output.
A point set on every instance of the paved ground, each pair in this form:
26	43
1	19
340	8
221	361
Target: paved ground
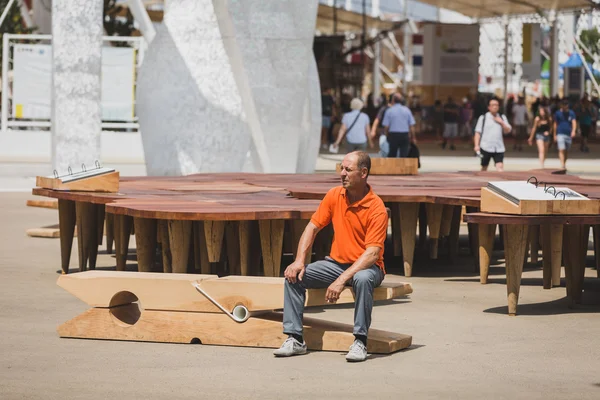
465	347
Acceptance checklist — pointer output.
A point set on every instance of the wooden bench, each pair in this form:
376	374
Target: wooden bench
188	308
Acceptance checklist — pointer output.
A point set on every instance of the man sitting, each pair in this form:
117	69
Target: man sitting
360	223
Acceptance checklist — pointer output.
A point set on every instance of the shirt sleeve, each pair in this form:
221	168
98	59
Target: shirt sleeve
479	124
322	217
345	120
377	231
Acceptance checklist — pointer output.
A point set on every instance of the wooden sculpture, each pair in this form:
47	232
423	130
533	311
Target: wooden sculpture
186	308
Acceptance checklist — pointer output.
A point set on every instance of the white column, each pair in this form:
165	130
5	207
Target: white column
507	70
376	72
139	12
76	87
554	73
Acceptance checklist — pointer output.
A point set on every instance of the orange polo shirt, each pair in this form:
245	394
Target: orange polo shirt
356	226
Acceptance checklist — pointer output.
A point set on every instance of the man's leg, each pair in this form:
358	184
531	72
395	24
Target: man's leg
363	283
393	141
318	275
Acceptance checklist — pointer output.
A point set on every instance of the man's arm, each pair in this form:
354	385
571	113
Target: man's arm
573	128
296	269
341	134
554	130
365	261
374	128
476	141
506	128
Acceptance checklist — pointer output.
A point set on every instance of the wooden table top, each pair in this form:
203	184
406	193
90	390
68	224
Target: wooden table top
242	196
506	219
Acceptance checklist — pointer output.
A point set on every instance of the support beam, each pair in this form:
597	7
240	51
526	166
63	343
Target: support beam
554	73
180	234
123	227
409	213
515	242
145	240
271	239
552	239
487	234
66	224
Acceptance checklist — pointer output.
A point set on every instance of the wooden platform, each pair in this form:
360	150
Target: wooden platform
168	308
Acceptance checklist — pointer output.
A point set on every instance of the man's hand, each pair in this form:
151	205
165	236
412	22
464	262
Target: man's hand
476	148
333	291
414	140
530	141
293	271
499	120
573	133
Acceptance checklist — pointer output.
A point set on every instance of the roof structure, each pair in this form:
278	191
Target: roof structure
498	8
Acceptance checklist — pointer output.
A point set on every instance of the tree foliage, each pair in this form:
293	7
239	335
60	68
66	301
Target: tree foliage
590	39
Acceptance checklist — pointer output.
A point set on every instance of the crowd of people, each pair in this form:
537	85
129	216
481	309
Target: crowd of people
484	121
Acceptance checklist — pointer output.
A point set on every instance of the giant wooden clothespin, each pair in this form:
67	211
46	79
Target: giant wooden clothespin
188	308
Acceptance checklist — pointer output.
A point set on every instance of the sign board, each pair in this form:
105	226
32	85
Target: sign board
532	52
32	82
451	55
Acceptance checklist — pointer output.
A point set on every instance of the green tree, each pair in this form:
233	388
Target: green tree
591	40
13	22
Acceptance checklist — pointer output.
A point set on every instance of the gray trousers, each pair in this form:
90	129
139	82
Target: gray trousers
321	274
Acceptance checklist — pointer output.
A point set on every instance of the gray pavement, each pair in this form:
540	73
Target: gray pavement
465	347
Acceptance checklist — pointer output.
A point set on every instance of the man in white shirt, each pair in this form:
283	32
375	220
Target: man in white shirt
520	119
489	140
355	126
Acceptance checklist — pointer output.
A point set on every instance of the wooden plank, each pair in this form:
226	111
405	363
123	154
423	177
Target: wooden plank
297	228
165	244
391	166
396	229
232	241
50	232
128	323
174	292
575	249
534	239
200	250
110	232
52	204
446	222
108	182
454	237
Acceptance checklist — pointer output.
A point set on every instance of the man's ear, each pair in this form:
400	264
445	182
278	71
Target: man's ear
364	172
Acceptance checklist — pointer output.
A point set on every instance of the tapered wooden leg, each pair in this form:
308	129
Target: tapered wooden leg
534	237
552	244
575	250
474	239
232	240
66	222
297	229
454	233
213	233
110	232
434	221
123	227
180	233
396	229
487	233
271	239
446	222
515	241
200	251
87	234
163	238
100	209
145	238
422	225
597	248
409	213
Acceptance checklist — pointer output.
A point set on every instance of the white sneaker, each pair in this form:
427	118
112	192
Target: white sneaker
358	352
291	347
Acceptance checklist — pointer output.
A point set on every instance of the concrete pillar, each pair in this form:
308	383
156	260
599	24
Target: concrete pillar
554	73
76	87
507	69
376	72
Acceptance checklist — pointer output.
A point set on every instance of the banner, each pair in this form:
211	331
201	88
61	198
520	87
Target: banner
532	52
32	82
451	55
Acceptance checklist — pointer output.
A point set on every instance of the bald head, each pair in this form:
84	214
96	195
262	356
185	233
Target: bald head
362	160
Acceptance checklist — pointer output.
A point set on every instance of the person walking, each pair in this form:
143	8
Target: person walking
565	128
489	136
451	116
542	132
585	116
519	123
399	127
360	222
327	114
355	127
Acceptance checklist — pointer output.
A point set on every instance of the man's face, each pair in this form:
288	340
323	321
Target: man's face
494	106
351	175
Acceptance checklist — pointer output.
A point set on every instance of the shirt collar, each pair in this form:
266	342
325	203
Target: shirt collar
365	201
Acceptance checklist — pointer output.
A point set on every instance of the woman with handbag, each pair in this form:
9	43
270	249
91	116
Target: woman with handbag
355	127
